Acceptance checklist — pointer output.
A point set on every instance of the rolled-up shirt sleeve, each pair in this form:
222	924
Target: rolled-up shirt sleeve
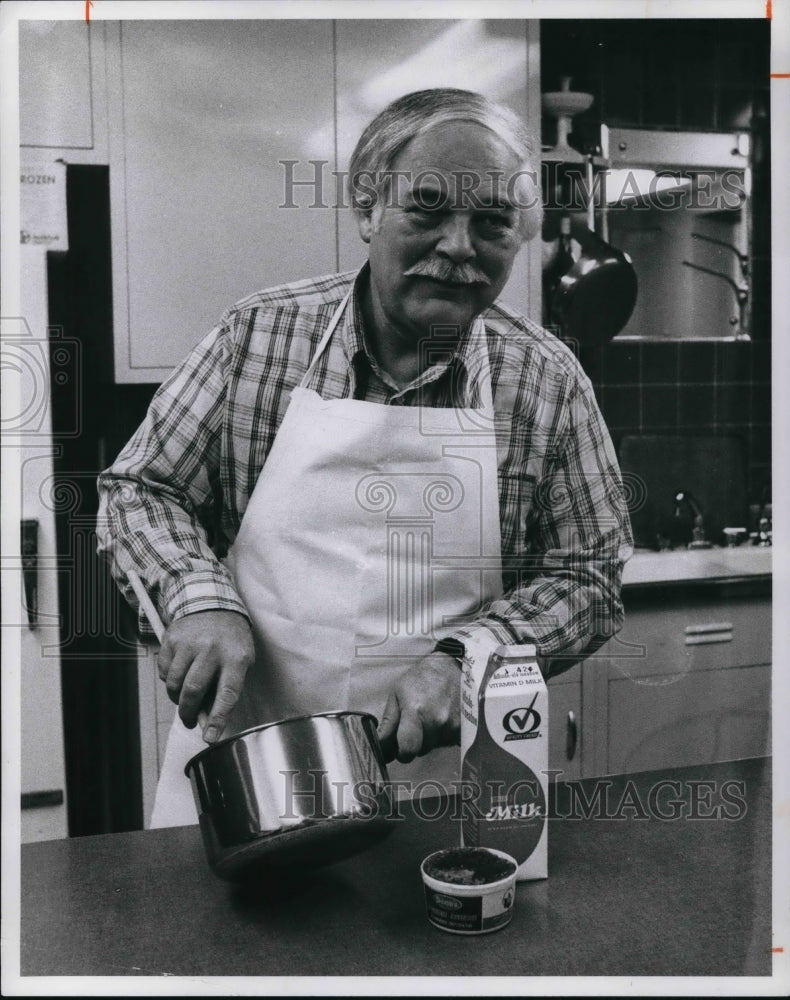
566	595
159	499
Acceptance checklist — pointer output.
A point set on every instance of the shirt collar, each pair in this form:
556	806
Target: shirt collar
466	355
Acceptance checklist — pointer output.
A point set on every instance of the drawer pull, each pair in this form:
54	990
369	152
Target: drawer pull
571	737
38	800
701	640
30	566
710	627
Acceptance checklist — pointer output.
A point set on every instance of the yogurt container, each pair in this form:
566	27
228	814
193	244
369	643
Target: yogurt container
469	890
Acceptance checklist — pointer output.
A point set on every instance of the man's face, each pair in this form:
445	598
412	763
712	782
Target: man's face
443	243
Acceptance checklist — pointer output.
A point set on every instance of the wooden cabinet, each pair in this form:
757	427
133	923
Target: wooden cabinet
681	684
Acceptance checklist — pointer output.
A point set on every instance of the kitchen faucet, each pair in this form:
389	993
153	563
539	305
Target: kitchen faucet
698	540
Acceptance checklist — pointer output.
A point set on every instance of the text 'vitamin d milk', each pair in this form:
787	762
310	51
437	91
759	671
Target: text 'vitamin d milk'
504	754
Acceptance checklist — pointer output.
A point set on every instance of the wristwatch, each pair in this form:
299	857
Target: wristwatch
452	646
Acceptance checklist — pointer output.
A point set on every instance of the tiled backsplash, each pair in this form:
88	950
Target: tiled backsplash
683	74
696	387
701	73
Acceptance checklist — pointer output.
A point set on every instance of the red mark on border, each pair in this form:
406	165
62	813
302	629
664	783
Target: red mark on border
768	11
779	76
775	950
89	4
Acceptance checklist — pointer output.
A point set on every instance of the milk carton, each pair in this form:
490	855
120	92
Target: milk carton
504	753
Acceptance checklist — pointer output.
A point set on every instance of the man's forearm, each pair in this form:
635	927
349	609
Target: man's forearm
567	613
143	529
157	498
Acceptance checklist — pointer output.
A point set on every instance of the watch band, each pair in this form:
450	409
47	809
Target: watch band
452	646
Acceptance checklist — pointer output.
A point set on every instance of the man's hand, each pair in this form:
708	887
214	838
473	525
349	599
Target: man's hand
208	651
423	709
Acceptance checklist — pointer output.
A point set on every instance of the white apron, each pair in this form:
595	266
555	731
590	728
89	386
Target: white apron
371	531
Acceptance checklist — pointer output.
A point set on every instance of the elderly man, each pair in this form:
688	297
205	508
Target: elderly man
352	475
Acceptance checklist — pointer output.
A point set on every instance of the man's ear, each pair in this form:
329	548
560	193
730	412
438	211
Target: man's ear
531	221
365	224
531	205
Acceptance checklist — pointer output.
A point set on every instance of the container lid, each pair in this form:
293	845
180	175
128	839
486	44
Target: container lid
469	866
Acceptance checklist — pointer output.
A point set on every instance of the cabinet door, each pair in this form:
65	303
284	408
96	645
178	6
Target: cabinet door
63	89
695	718
671	640
55	84
209	121
684	686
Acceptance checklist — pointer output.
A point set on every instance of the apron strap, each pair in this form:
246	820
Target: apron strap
478	335
326	338
484	368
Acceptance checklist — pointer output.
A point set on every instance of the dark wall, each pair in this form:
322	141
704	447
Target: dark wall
97	641
696	75
673	74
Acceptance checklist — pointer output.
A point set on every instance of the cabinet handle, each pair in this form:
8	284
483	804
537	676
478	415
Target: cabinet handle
701	635
571	736
705	640
30	569
38	800
709	627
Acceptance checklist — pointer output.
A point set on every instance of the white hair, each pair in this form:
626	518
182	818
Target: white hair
379	145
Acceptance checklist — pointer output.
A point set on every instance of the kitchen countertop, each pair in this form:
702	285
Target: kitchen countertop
718	572
629	895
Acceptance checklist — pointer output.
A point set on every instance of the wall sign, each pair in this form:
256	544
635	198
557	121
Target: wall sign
43	221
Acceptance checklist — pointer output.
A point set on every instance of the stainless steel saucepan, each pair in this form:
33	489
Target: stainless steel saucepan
298	793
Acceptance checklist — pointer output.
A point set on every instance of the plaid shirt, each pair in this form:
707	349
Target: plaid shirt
172	503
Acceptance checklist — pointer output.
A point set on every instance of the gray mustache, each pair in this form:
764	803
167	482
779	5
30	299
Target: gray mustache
444	270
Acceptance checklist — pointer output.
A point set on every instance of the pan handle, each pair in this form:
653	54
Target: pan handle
156	623
742	257
147	605
741	293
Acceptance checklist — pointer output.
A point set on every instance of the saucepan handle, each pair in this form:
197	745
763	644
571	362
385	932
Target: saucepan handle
156	623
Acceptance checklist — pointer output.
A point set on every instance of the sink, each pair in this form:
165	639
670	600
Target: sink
646	566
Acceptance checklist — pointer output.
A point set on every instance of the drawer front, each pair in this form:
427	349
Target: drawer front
697	718
672	640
